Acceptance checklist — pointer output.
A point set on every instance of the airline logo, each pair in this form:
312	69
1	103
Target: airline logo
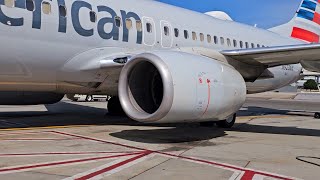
309	11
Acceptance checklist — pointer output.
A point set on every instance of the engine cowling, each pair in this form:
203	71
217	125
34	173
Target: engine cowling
29	98
174	86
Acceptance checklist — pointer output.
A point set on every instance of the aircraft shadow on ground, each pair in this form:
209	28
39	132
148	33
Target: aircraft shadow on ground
65	114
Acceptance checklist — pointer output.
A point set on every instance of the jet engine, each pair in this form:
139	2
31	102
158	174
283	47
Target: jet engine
29	98
174	86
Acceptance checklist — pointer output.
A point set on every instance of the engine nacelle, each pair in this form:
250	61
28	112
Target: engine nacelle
173	86
29	98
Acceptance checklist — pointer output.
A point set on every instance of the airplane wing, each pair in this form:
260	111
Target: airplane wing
306	54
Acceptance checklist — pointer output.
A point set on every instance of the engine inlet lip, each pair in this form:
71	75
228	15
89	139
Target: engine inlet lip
130	105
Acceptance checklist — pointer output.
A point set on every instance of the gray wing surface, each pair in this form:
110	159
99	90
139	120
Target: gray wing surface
307	54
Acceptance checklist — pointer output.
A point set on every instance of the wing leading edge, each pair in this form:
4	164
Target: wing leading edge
306	54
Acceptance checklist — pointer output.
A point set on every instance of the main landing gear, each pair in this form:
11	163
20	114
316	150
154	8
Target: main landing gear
227	123
114	106
317	115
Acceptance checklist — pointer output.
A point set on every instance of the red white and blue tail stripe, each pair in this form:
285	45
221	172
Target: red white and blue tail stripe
309	17
306	23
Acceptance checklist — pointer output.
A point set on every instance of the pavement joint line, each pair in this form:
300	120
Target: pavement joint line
150	168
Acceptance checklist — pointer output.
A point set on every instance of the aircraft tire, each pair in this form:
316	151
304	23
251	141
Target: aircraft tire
89	98
317	115
114	106
228	123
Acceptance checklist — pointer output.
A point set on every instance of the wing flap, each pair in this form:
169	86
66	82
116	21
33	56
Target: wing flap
275	56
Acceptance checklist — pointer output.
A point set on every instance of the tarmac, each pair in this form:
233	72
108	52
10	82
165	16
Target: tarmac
274	138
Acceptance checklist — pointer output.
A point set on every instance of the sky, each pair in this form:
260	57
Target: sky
265	14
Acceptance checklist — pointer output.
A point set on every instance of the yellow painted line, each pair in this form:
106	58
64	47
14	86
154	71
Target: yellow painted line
49	127
266	116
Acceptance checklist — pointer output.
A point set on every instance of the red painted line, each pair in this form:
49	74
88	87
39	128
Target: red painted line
209	97
66	153
248	175
176	156
62	163
226	166
91	175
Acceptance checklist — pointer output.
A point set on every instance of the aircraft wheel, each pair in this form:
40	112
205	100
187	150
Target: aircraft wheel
317	115
228	123
89	98
114	106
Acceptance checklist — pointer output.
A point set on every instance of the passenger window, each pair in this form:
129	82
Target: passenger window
9	3
139	25
215	38
30	5
93	16
252	45
176	32
46	7
209	38
247	45
117	21
201	37
128	23
186	34
149	28
228	42
222	40
194	36
166	30
62	11
241	44
235	43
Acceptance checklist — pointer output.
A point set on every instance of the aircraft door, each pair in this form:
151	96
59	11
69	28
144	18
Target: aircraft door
149	31
166	34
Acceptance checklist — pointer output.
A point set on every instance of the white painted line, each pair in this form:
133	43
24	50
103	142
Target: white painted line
113	171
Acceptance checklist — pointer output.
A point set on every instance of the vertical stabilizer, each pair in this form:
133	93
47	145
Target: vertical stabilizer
305	25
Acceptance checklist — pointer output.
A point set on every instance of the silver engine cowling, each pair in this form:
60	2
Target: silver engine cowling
174	86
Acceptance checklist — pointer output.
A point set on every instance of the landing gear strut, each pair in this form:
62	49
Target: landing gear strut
317	115
114	106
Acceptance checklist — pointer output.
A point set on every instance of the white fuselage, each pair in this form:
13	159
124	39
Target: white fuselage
54	53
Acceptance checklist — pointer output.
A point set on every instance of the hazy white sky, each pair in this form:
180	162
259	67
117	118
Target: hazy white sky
265	13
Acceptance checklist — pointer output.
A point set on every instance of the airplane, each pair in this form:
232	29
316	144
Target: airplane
160	63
